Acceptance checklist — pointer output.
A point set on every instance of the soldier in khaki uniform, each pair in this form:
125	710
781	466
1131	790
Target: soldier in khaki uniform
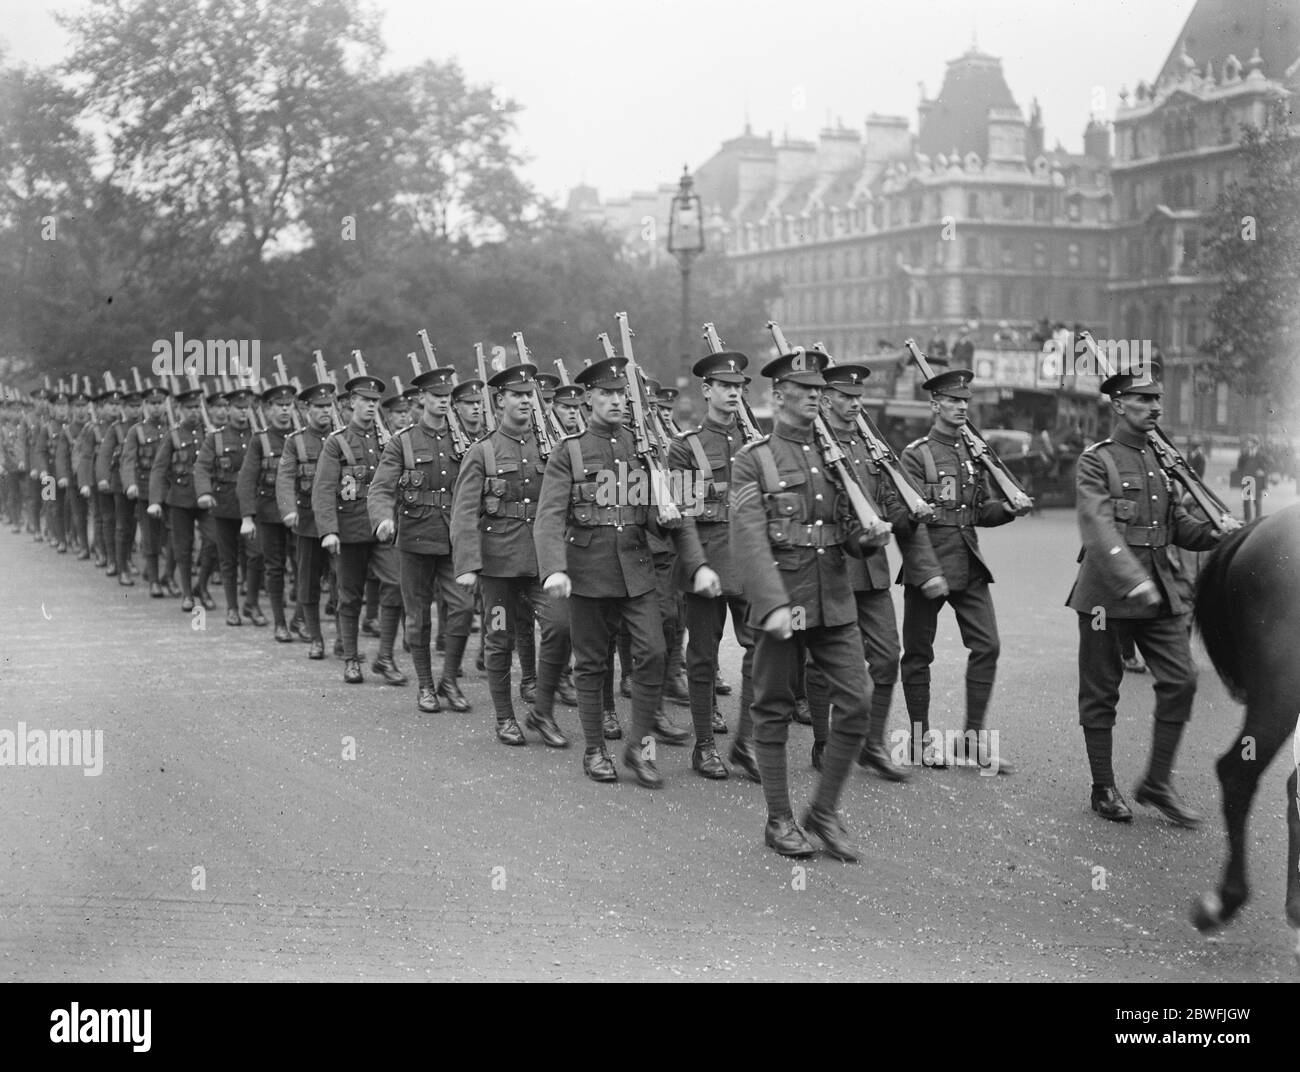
943	565
257	502
340	496
1129	513
597	553
293	491
869	576
171	486
411	497
706	454
108	478
791	526
492	541
138	450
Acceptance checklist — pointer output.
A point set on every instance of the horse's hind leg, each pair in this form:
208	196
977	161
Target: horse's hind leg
1293	845
1239	770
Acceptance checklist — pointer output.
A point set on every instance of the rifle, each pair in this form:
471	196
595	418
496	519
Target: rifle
883	455
1015	496
749	430
546	427
460	441
565	382
489	414
323	376
381	425
1169	457
282	379
653	453
868	516
193	380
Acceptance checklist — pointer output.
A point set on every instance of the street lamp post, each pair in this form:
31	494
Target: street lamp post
685	242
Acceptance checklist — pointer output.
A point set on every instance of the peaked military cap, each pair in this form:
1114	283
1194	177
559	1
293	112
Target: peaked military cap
514	378
436	381
468	391
847	379
667	396
279	392
1127	384
317	392
728	366
955	383
397	404
156	393
190	396
569	394
366	387
240	395
547	384
798	366
610	374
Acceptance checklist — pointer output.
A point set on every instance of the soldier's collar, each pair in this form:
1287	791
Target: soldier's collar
520	437
793	434
943	437
595	424
1122	434
719	426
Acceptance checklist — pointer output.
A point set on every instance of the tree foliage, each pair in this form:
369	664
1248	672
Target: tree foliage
1254	248
245	169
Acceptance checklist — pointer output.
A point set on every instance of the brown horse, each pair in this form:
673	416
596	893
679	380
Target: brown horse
1248	614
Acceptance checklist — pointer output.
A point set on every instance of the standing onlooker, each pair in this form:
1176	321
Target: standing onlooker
1252	470
1196	458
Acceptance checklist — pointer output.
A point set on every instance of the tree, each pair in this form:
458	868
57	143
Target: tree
219	110
1254	248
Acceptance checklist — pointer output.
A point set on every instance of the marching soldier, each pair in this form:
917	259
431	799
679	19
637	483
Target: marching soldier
33	426
598	555
707	455
1129	513
566	404
45	459
107	410
340	495
171	484
68	466
257	503
869	575
293	492
216	476
397	412
467	397
138	451
492	544
957	574
15	462
415	481
108	479
791	529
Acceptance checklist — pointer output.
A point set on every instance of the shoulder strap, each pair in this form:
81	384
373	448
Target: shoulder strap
408	454
139	434
575	458
265	437
176	440
218	442
768	477
701	459
927	459
1112	474
489	458
345	447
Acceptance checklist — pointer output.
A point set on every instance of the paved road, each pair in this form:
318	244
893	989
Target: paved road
436	853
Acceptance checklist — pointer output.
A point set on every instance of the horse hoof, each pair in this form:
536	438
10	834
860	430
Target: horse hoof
1207	913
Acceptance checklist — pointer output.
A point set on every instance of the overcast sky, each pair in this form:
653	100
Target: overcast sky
621	93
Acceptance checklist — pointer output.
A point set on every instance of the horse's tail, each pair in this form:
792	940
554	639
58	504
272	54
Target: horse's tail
1213	612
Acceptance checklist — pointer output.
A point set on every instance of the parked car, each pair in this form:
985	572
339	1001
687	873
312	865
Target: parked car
1048	478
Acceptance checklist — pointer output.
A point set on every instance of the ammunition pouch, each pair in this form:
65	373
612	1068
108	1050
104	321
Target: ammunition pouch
785	534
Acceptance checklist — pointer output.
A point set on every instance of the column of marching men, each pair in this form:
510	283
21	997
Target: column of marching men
522	501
